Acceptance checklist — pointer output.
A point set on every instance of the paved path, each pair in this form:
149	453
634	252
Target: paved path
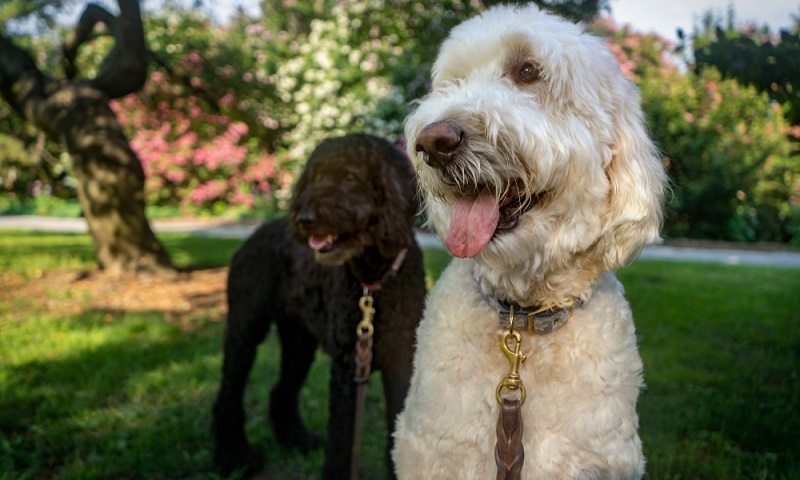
221	229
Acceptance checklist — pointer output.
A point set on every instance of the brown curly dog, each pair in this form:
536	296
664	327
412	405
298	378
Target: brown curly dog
350	225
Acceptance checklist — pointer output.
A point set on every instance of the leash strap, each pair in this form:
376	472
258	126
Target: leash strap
363	362
363	358
509	452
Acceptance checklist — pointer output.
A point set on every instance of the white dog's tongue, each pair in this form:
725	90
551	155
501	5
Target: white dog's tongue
473	220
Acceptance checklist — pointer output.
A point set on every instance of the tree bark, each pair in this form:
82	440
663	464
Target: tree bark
77	114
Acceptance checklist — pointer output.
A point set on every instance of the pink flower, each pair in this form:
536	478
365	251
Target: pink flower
175	176
211	190
157	77
260	170
631	42
242	198
627	69
227	100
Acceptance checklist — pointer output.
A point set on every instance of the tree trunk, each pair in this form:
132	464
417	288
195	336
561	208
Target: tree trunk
110	182
77	113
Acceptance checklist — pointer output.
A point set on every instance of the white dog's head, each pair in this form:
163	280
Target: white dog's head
533	156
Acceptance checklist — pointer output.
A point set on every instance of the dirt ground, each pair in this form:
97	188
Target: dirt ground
180	297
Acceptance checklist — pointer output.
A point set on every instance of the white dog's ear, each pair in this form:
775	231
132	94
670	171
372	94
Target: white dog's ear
638	182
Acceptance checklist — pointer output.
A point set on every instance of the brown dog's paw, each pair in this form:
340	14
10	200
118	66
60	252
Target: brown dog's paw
300	438
241	461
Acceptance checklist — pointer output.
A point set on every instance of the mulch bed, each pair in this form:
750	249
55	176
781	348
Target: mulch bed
180	297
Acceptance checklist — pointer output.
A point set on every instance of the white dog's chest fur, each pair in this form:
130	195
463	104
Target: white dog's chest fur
582	382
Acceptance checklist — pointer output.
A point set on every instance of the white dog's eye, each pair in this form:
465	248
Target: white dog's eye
528	73
522	71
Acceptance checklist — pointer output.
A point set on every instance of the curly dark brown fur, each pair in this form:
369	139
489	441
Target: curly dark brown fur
355	205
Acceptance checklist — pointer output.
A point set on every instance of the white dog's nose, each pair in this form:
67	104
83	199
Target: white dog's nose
439	142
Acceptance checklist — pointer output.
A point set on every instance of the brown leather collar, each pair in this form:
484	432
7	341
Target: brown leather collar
536	320
396	264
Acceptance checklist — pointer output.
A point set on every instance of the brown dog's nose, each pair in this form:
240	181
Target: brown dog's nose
439	142
305	218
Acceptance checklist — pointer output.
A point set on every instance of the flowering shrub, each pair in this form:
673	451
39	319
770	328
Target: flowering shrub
191	157
309	71
638	54
333	85
728	151
753	56
290	88
331	69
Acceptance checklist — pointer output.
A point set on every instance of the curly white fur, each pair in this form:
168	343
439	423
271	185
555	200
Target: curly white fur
574	145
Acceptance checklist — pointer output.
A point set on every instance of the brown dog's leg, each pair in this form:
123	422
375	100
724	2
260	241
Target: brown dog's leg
297	355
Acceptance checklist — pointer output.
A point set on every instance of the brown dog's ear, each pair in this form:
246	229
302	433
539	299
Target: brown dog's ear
638	183
396	192
300	185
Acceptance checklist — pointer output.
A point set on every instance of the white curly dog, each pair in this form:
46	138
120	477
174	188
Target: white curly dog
539	175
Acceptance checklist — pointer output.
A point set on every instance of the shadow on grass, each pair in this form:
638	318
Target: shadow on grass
134	402
97	408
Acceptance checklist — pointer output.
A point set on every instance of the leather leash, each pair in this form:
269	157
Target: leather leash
509	452
363	357
364	331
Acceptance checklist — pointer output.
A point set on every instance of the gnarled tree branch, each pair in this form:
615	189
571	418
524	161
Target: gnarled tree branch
124	69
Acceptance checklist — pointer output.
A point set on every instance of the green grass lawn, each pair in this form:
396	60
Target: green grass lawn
109	394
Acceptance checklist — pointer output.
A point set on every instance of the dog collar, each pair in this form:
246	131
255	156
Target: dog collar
536	320
396	264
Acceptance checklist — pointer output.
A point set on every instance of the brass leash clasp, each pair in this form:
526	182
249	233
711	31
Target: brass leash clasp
368	312
515	357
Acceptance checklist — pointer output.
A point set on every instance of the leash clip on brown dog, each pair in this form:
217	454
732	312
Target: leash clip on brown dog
509	452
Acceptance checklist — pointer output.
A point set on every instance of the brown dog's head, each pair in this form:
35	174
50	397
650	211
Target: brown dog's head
356	192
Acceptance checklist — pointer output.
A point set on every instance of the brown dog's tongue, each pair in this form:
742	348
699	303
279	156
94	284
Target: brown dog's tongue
316	242
473	220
